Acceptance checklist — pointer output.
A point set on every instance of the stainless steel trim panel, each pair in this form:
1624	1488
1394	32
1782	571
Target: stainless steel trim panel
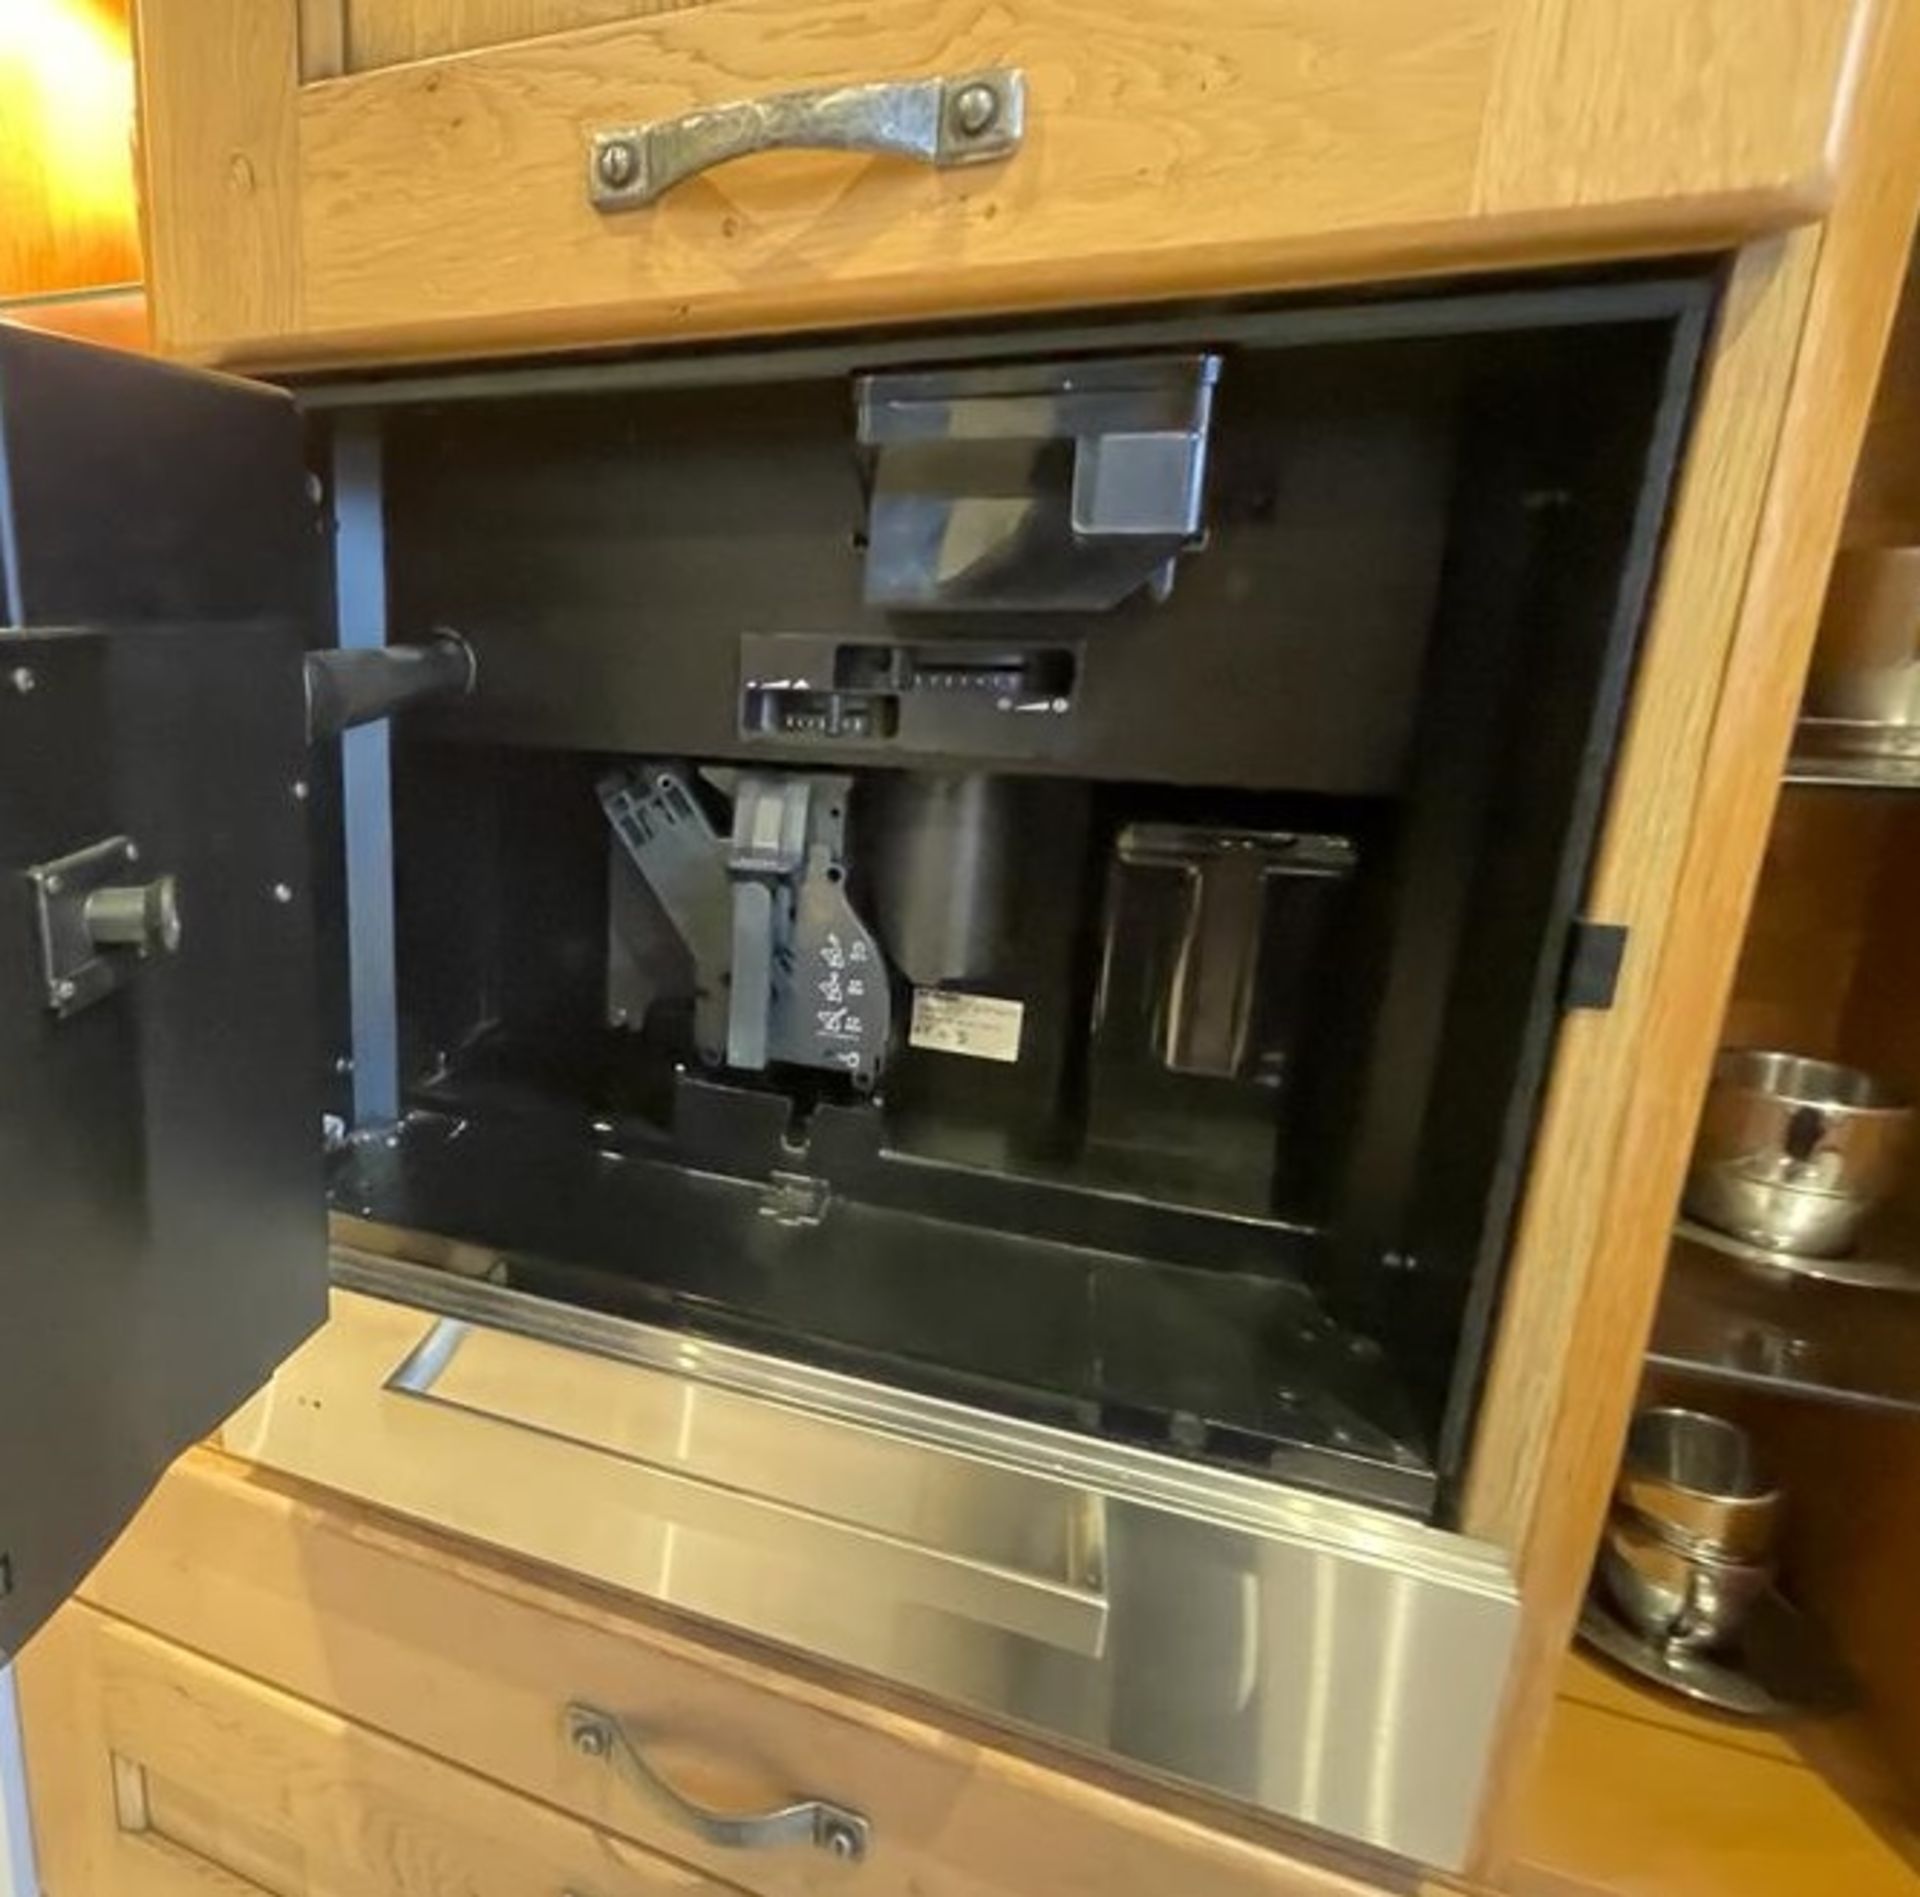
1325	1662
986	1544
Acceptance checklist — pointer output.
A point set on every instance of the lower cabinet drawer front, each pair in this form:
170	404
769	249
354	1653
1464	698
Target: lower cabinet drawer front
153	1771
476	1660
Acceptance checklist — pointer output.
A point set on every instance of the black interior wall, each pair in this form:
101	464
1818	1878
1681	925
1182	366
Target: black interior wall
607	557
1564	481
1592	576
500	868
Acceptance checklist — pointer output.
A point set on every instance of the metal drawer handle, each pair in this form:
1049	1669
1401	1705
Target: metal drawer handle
961	121
831	1828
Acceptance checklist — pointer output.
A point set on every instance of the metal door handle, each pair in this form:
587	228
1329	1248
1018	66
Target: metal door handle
960	121
831	1828
698	1480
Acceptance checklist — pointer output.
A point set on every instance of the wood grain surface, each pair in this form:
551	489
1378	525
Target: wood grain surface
1628	100
343	36
1853	1530
437	205
1809	923
117	319
1884	507
1574	1430
67	217
398	32
1637	1797
323	39
1153	128
1852	1554
155	1771
221	162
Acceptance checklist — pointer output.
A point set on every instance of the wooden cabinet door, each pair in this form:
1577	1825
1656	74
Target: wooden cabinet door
338	179
155	1773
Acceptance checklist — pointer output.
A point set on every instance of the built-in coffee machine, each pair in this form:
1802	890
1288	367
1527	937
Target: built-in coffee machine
924	1034
1040	867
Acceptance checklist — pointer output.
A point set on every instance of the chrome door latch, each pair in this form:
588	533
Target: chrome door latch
96	925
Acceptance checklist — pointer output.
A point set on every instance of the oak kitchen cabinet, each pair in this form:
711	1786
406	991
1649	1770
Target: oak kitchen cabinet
367	186
180	1775
340	179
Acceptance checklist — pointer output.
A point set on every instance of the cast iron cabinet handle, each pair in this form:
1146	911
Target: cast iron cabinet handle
967	120
831	1828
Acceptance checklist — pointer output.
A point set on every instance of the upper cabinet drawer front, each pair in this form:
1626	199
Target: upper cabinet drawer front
419	205
1148	127
339	36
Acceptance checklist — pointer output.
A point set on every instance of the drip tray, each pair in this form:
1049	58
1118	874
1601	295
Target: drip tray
1226	1367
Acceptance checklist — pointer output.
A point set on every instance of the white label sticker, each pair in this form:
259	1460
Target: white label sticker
983	1027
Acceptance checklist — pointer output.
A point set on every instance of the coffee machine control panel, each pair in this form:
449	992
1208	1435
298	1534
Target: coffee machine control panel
966	696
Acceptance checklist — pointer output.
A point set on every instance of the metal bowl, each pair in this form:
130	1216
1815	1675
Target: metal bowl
1794	1153
1696	1481
1672	1597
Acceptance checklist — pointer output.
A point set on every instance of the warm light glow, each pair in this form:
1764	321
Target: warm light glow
66	159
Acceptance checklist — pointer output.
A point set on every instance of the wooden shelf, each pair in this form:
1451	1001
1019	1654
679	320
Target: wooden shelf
1853	773
1825	970
1639	1795
1827	756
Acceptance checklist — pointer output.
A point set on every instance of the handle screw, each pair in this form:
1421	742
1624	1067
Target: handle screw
591	1741
840	1839
22	679
282	892
975	109
617	163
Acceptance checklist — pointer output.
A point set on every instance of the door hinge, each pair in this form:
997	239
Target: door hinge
1590	975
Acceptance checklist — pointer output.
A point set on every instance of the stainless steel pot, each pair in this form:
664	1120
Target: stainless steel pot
1672	1597
1696	1481
1793	1153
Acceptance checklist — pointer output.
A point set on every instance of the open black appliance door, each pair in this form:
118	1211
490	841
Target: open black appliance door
162	1231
